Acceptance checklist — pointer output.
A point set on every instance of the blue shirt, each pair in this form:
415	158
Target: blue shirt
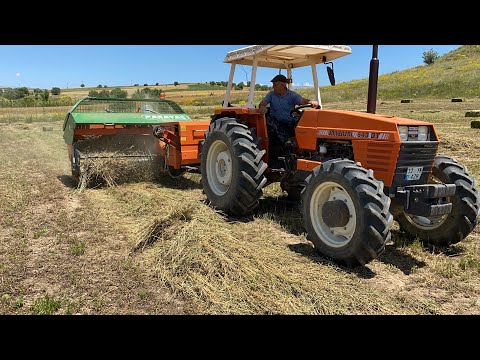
280	106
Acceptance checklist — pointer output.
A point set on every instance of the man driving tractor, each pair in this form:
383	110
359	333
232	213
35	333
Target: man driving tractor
280	123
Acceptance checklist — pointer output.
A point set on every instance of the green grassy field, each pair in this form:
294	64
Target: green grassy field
66	251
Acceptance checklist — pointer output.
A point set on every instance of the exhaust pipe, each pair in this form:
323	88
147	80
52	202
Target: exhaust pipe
373	82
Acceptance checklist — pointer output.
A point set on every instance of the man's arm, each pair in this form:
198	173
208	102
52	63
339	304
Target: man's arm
263	104
263	107
308	101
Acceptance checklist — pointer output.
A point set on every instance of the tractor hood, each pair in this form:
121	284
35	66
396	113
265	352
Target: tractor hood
358	120
351	125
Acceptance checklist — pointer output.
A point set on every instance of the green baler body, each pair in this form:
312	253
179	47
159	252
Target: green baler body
121	111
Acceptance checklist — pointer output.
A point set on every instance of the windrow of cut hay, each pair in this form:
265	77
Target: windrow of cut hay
232	267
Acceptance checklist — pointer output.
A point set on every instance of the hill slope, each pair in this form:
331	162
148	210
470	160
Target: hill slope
455	74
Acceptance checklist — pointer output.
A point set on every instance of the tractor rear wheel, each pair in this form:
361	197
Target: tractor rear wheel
345	212
450	228
232	167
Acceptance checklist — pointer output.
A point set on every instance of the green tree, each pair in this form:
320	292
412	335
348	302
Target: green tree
99	86
55	91
82	85
37	93
23	91
118	93
104	94
12	94
45	95
175	83
430	56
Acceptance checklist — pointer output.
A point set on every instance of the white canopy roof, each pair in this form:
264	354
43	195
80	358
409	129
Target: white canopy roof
286	56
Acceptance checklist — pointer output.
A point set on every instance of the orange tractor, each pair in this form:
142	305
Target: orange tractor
354	172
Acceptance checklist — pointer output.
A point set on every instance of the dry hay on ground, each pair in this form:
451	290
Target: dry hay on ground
229	267
111	171
116	159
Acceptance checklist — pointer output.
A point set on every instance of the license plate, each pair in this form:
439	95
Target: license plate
414	173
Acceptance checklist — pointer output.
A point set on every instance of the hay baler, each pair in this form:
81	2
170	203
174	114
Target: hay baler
153	130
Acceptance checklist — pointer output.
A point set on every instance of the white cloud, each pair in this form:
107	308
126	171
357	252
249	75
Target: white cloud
17	74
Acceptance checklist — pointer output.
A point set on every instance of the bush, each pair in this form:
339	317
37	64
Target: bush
430	56
147	93
24	91
55	91
82	85
104	94
12	94
99	86
119	93
66	100
175	83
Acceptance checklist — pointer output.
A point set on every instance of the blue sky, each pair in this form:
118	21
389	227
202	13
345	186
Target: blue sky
47	66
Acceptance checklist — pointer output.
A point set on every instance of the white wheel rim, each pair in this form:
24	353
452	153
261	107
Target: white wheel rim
219	168
337	236
426	223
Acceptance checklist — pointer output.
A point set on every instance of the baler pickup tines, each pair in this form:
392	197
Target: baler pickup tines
116	156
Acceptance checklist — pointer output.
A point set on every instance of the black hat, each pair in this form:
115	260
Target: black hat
281	78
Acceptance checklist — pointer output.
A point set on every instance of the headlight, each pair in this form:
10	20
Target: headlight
422	133
403	130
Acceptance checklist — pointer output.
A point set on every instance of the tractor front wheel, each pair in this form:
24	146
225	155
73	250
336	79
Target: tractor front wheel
232	167
345	212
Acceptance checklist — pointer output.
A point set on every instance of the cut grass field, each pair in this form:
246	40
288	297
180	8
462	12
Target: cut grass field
156	248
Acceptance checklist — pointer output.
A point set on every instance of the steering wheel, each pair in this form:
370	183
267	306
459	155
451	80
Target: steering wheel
298	111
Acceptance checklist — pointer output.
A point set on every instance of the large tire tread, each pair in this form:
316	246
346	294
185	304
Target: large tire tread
466	204
249	177
367	243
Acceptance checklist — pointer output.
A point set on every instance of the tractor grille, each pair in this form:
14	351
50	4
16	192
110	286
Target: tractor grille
379	155
414	154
